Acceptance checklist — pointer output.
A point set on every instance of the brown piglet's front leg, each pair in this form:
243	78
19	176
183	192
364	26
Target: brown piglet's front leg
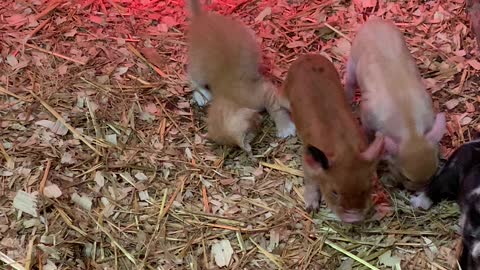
312	194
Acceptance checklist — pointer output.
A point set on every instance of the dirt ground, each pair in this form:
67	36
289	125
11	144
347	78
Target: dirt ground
105	163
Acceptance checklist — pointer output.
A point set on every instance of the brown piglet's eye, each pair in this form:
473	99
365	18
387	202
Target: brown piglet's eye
334	194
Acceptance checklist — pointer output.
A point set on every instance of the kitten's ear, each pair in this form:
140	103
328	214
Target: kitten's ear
316	159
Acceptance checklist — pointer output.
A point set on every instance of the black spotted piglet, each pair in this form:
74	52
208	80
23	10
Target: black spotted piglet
459	179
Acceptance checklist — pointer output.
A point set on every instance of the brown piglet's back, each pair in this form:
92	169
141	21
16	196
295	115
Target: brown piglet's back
316	95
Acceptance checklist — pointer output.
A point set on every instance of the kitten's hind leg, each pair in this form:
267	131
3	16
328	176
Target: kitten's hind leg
280	114
285	126
201	94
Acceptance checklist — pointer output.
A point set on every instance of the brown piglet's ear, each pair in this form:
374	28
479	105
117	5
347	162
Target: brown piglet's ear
375	149
316	158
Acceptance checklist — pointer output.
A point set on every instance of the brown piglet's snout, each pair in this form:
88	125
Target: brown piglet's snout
338	162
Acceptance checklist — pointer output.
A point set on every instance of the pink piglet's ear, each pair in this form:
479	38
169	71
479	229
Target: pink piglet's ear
391	147
375	149
439	129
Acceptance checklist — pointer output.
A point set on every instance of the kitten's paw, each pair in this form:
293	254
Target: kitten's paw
475	249
421	201
202	96
312	198
286	130
247	147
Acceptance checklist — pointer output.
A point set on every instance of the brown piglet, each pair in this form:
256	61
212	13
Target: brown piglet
337	161
395	102
224	64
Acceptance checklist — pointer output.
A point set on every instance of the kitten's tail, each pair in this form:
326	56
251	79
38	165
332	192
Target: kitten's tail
195	7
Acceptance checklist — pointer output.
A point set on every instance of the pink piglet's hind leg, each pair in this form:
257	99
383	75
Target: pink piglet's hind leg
351	83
